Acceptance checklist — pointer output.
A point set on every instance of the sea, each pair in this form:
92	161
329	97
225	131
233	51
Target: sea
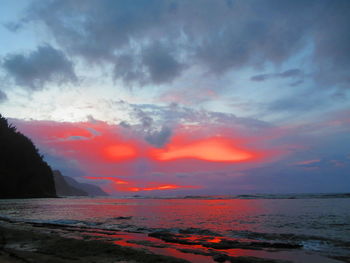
320	223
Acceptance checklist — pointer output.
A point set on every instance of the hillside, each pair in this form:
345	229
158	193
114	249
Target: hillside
23	172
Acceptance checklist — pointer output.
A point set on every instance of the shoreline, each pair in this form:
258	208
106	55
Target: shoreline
30	242
24	243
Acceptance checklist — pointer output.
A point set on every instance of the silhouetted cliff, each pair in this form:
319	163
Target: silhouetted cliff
23	172
67	186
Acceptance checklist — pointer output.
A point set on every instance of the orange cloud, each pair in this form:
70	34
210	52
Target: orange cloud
213	149
128	186
164	187
102	151
113	179
119	152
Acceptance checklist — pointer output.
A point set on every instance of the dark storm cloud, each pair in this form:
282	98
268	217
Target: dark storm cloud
145	39
155	64
256	32
3	96
161	65
34	70
127	68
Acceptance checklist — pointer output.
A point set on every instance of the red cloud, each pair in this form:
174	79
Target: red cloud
128	186
106	150
113	179
213	149
120	152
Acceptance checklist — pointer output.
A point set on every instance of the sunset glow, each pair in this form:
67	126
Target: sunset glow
212	149
112	179
218	95
119	152
124	186
175	131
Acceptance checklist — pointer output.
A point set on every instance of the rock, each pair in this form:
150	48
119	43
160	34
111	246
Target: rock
198	231
122	217
220	257
248	259
172	238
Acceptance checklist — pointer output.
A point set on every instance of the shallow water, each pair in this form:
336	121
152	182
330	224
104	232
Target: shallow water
320	225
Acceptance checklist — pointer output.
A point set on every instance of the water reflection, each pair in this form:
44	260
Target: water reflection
199	229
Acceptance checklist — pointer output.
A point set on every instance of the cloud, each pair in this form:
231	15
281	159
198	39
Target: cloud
159	138
39	67
295	103
115	146
126	68
3	96
209	149
156	124
221	158
172	115
155	64
145	39
129	186
161	65
307	162
154	132
285	74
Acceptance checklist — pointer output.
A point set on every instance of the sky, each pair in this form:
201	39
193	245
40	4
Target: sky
151	97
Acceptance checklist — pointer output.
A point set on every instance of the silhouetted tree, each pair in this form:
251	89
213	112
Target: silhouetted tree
23	172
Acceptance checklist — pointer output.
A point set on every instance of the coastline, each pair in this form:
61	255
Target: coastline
25	243
32	242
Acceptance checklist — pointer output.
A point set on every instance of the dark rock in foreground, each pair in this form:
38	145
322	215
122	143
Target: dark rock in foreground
224	243
23	172
23	244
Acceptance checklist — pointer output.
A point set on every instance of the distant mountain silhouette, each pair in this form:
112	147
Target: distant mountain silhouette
65	189
23	172
90	189
67	186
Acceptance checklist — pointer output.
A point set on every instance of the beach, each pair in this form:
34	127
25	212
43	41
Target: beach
174	230
30	243
24	242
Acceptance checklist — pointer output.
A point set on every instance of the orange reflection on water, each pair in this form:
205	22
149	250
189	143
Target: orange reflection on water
215	240
217	215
